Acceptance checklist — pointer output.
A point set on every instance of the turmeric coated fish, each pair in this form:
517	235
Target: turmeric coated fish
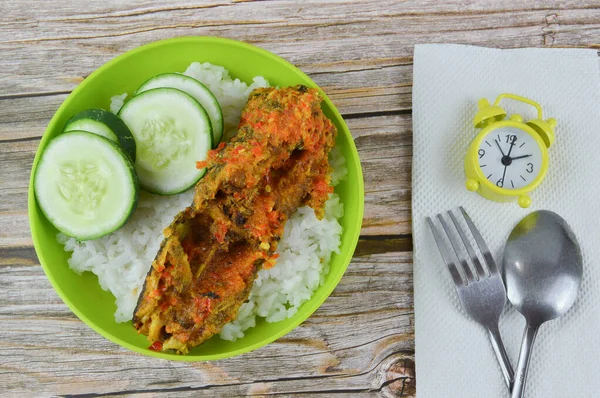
213	250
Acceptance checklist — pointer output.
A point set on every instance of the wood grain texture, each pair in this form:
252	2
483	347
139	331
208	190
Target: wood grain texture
384	144
356	42
328	352
360	343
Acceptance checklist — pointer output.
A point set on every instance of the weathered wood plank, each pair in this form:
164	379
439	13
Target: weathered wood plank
356	348
372	37
385	148
27	117
384	144
370	90
309	19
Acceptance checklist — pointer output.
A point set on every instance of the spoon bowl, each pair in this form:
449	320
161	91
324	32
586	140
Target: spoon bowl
542	273
542	267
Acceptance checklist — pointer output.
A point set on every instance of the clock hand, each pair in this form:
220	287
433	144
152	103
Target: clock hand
501	151
503	175
520	157
512	144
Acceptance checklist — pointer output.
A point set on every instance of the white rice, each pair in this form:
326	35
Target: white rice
122	258
117	102
304	253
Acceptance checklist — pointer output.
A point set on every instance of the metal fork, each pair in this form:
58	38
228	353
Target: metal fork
482	295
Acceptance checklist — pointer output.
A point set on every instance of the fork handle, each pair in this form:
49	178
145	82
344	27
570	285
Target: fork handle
500	351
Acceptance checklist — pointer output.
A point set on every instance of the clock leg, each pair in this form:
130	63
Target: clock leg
524	201
472	184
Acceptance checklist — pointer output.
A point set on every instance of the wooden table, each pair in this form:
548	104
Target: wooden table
361	341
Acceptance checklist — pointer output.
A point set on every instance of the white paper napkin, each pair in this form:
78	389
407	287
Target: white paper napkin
453	355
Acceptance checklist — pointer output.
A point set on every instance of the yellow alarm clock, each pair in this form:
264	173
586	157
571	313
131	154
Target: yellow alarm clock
508	158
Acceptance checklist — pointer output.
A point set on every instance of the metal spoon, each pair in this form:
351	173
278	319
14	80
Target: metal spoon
542	272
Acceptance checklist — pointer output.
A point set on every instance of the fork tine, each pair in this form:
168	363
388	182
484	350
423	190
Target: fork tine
478	267
456	247
446	256
487	255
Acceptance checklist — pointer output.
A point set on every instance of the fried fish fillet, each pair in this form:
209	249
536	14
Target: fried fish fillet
213	250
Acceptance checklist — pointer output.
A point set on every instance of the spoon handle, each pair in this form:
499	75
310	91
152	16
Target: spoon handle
500	351
524	356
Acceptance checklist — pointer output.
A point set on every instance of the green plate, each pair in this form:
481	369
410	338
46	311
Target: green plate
127	72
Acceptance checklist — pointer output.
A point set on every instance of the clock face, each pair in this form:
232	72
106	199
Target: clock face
510	158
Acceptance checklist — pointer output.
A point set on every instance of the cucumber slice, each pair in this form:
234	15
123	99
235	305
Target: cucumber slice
199	91
172	131
104	123
85	185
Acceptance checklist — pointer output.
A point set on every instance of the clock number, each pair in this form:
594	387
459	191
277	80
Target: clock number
481	153
529	167
500	183
511	138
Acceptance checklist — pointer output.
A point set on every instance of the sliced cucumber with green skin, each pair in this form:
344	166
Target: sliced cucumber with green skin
199	91
85	185
172	132
104	123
